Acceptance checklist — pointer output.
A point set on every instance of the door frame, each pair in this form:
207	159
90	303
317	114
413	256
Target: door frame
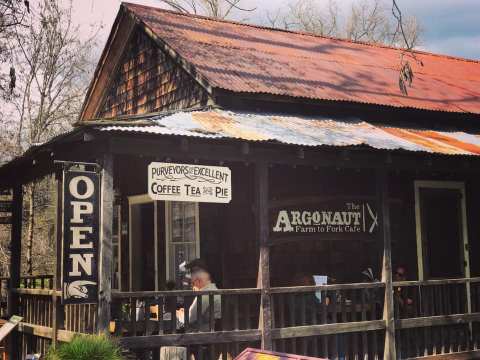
434	184
137	200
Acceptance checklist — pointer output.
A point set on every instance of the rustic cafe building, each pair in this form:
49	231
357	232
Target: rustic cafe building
338	217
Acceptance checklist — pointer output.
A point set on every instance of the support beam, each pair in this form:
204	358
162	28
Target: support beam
105	251
15	261
261	201
388	308
58	314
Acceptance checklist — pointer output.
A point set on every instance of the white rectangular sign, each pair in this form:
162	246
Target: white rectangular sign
189	182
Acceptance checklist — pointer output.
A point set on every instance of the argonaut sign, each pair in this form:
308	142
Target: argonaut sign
189	182
343	219
80	237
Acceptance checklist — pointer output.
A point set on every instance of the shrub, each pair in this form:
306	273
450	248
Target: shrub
86	347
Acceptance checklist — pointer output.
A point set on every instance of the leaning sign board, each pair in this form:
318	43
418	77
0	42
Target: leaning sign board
189	182
80	236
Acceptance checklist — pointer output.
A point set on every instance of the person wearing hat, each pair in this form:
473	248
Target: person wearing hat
201	281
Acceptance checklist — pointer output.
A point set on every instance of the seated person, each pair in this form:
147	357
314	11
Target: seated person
201	281
400	274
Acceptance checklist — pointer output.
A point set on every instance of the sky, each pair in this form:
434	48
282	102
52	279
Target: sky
450	26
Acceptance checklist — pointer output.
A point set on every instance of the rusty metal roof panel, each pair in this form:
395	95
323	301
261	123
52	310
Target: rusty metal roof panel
246	58
304	131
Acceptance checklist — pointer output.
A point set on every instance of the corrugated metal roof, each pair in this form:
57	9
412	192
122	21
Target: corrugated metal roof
304	131
246	58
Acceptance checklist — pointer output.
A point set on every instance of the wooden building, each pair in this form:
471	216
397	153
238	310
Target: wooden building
333	172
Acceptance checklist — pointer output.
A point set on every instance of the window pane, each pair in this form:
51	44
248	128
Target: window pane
182	242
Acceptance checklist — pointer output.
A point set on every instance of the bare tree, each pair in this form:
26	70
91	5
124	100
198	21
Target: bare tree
219	9
12	16
367	20
53	65
306	15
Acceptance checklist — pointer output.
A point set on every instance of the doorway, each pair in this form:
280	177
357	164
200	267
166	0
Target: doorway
442	238
142	243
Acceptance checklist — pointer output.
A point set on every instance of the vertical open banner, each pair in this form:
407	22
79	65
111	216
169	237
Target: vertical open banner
80	236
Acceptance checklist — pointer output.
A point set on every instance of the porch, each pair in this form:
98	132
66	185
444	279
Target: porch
263	301
346	323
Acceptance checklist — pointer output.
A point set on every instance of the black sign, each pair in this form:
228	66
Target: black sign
5	206
80	237
328	220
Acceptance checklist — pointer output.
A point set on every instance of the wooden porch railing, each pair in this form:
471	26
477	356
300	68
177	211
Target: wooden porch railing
437	317
343	321
148	320
331	321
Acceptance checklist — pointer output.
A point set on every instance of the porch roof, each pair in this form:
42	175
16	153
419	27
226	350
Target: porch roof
302	131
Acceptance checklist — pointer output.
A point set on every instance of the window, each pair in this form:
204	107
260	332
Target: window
182	235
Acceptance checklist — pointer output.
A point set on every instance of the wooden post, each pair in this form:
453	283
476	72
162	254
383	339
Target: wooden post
388	307
261	200
15	259
58	313
105	251
173	353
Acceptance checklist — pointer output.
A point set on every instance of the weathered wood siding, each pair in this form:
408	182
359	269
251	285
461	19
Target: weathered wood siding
148	80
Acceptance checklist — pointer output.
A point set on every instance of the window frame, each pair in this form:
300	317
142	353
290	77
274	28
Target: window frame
168	237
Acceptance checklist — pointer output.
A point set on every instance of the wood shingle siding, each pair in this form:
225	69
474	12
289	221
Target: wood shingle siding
148	80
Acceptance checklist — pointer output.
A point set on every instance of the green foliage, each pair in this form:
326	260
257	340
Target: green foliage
86	347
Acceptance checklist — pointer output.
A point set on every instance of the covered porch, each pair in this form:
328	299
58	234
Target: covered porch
290	253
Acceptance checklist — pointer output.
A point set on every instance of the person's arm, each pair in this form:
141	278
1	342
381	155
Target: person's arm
193	310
